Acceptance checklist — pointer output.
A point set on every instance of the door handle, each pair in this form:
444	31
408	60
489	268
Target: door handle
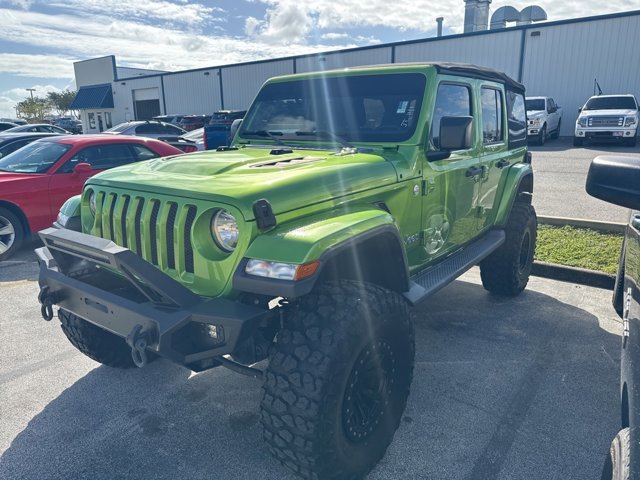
635	221
502	163
473	172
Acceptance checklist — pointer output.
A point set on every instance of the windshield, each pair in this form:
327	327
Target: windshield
118	128
611	103
365	108
37	157
534	104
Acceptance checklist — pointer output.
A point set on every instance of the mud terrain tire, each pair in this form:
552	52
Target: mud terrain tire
506	271
338	380
102	346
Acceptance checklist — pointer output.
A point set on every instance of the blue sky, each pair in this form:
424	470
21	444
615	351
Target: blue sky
40	39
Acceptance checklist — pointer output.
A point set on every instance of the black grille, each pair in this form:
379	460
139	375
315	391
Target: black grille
188	248
112	209
153	221
123	221
138	227
171	221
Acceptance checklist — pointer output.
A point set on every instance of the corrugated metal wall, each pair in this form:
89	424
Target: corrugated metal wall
372	56
500	51
195	93
241	83
563	61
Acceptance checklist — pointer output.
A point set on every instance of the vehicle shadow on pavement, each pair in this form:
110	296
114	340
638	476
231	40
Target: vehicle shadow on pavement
503	388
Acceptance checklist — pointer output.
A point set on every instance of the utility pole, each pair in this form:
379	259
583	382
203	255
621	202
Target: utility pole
31	90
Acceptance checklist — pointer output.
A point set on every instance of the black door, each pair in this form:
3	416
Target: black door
147	109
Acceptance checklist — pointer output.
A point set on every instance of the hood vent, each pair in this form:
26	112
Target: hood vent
280	151
288	162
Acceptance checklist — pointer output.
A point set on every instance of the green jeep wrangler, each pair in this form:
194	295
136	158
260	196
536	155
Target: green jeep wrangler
346	197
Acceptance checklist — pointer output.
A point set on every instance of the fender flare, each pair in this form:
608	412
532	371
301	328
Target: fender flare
519	186
363	244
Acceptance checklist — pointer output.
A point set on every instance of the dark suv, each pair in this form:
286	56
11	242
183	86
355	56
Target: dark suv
616	179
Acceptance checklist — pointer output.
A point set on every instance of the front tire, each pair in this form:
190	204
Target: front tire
506	271
556	134
98	344
542	136
338	380
578	141
617	465
631	142
11	233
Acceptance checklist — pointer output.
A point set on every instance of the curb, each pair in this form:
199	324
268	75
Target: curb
607	227
581	276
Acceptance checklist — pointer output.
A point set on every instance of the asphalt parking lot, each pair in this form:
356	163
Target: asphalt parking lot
506	389
503	388
560	171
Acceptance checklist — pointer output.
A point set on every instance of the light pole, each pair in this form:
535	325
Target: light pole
31	90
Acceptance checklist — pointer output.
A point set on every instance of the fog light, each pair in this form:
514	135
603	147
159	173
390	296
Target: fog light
212	331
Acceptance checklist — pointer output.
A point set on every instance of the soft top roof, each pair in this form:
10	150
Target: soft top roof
475	71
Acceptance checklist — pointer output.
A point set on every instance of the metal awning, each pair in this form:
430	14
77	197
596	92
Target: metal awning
93	96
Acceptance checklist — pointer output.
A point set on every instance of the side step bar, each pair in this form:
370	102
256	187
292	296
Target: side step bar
429	281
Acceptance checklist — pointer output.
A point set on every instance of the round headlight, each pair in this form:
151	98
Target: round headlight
224	229
92	203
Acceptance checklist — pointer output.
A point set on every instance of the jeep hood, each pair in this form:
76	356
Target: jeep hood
287	179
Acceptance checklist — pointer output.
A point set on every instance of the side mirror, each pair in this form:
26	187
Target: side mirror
579	109
456	133
615	179
235	126
82	168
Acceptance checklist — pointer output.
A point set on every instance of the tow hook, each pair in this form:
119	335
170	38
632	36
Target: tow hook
137	340
47	300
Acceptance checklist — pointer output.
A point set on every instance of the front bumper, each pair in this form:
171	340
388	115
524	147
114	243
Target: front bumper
115	289
533	131
606	132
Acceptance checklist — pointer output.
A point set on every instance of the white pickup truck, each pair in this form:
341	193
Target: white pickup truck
608	116
544	118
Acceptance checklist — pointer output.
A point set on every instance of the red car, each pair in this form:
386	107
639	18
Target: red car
38	178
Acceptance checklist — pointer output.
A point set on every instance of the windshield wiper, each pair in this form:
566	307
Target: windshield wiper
265	133
326	134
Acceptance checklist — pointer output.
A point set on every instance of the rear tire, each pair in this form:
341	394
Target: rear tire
98	344
578	142
338	380
506	271
11	233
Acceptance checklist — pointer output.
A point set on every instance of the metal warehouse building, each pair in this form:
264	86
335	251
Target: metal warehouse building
558	59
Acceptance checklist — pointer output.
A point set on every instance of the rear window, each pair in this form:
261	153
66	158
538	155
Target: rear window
611	103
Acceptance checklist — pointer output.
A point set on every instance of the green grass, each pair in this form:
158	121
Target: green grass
579	247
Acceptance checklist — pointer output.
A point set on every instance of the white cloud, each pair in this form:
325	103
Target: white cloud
284	24
334	36
42	66
142	10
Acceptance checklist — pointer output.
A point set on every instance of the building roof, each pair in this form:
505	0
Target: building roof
93	96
